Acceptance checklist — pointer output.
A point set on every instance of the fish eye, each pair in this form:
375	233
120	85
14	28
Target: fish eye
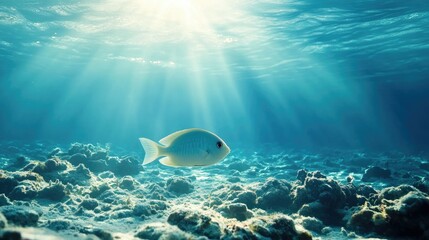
219	144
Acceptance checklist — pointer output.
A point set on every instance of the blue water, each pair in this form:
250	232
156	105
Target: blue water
299	74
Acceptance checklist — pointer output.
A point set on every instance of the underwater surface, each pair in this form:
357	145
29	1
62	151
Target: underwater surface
324	105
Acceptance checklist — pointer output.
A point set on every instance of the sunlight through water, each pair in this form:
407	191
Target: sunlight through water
282	71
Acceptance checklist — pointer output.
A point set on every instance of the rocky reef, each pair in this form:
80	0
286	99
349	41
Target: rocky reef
92	192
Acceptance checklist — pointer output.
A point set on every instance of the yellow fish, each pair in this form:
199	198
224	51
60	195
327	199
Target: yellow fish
189	147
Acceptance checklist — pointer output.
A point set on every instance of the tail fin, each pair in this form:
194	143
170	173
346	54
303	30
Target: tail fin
151	149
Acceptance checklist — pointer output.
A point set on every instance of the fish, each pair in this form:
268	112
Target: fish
186	148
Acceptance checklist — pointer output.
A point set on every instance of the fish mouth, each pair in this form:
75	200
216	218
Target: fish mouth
228	150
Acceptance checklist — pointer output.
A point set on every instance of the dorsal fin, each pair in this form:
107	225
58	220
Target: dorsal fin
170	138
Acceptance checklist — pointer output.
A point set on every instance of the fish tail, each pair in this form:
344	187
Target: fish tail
152	150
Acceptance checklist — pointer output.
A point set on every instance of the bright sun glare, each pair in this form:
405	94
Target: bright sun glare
189	35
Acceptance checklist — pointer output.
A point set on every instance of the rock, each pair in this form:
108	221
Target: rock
55	164
97	190
246	197
143	210
62	208
100	233
126	166
278	227
318	188
239	166
301	175
238	211
59	224
56	191
108	196
352	198
24	175
404	217
86	149
79	175
19	162
89	204
78	158
422	185
106	175
3	221
274	194
4	200
158	205
10	235
74	148
54	152
35	234
20	215
155	231
179	185
233	179
408	217
147	208
392	193
350	179
424	166
51	165
326	230
123	213
232	194
316	209
7	183
195	222
50	170
236	232
375	173
312	224
95	164
100	154
128	183
367	220
366	190
26	190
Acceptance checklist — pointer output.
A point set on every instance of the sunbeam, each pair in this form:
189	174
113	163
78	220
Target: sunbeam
153	67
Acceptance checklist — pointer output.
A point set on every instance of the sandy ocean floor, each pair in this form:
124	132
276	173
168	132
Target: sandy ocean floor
85	191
